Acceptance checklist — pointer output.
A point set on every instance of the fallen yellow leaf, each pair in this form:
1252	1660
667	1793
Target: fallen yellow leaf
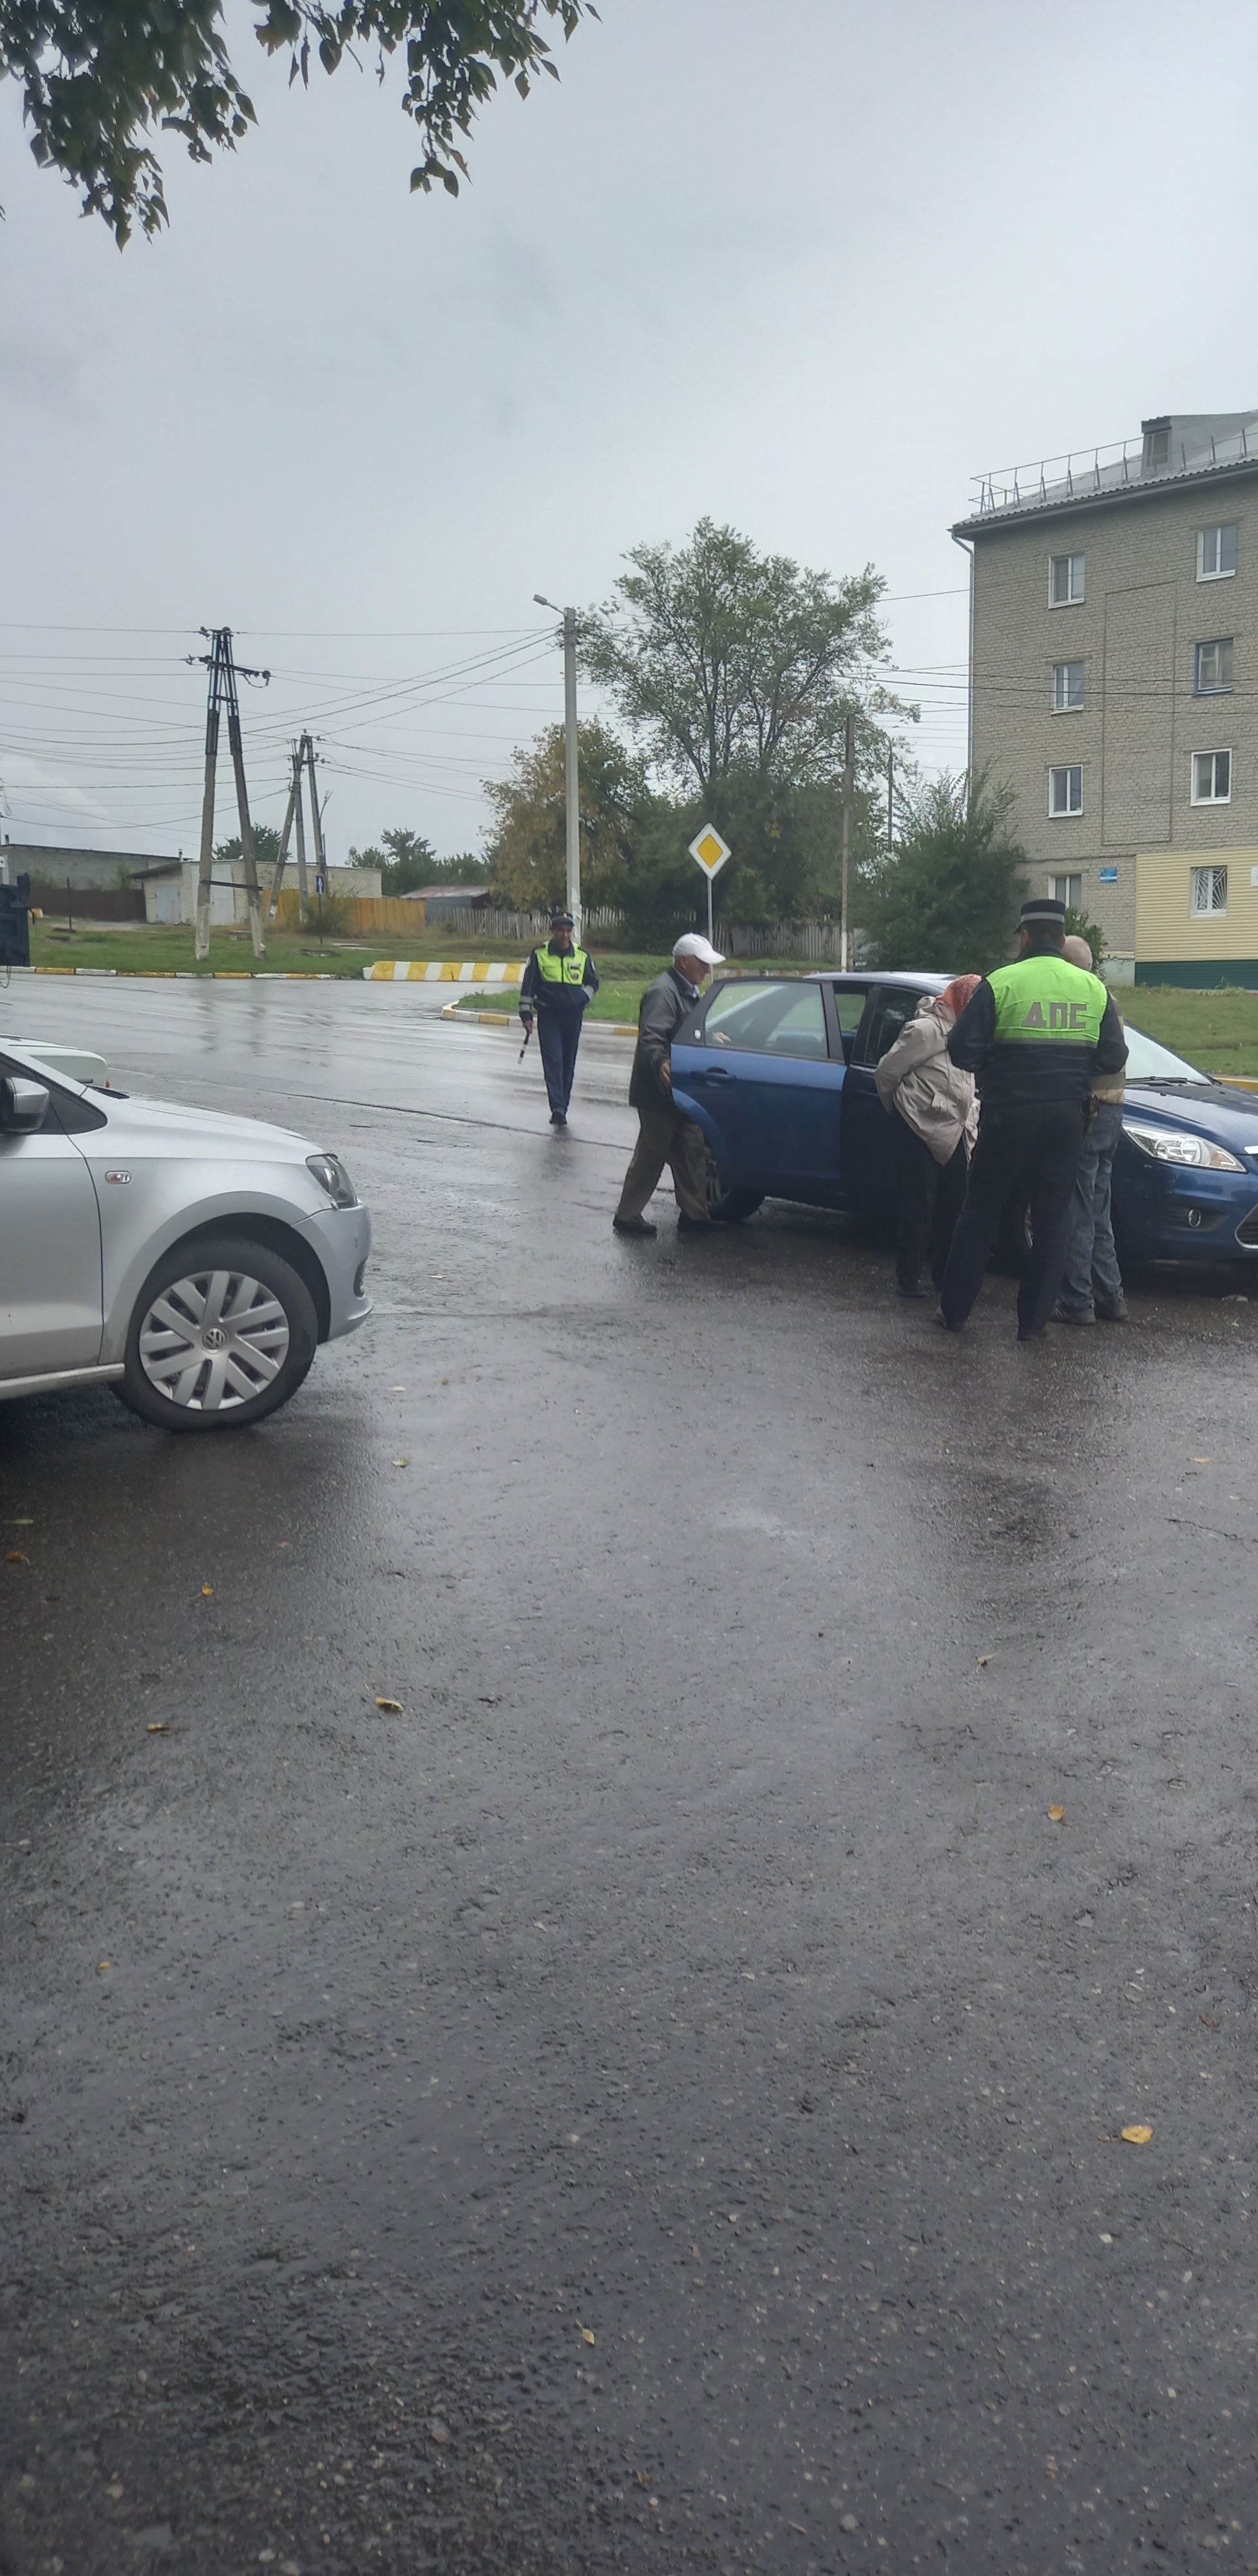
159	1727
15	1557
1138	2135
391	1707
207	1591
1057	1815
401	1462
983	1659
587	2334
105	1963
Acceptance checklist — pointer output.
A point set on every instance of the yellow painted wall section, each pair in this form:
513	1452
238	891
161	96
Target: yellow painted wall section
1167	927
367	912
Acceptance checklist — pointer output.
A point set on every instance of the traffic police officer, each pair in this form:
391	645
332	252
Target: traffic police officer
558	982
1035	1033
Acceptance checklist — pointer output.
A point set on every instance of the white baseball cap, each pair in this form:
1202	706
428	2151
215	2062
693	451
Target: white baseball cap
693	945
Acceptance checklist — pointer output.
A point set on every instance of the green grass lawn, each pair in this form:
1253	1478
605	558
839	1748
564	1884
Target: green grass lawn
1218	1030
170	951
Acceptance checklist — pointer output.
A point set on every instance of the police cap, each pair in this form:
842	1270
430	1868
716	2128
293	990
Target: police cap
1043	911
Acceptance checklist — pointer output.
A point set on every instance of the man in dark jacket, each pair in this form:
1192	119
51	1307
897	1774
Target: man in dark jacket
664	1135
1035	1034
557	984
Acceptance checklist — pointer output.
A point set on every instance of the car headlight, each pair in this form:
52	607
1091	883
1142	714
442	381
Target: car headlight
1174	1145
331	1175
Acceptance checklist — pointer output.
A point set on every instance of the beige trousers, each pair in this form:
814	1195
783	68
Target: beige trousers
664	1136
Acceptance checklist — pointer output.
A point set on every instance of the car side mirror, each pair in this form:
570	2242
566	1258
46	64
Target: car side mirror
23	1106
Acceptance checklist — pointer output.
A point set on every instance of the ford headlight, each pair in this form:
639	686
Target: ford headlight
331	1175
1175	1145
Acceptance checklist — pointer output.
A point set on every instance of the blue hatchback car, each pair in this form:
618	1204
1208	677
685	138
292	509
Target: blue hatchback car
779	1074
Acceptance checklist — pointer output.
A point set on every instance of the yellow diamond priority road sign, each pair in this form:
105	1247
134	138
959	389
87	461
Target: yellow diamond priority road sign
710	851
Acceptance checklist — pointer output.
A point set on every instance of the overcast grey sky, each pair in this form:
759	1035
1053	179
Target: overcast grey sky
808	269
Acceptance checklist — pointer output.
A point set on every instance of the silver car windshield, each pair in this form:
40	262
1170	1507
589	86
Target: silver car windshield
1149	1062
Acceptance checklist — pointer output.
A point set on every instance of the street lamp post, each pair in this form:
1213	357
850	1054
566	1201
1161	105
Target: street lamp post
572	809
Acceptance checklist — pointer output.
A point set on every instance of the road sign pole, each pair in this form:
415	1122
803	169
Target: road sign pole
711	940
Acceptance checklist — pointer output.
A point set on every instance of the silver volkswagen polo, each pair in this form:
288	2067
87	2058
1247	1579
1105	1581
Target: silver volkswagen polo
191	1261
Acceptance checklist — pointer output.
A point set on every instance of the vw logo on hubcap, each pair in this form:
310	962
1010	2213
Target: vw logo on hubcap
214	1338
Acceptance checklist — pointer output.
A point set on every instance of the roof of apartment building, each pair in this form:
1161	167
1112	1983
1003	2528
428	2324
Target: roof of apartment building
1174	448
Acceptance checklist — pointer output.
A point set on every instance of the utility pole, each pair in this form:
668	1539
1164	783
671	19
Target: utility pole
849	788
222	668
277	878
572	784
321	865
303	883
890	802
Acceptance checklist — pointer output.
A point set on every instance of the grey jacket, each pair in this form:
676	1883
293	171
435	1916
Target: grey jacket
918	1079
665	1004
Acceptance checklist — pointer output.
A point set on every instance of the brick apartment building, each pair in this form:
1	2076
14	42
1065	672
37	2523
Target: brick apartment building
1114	685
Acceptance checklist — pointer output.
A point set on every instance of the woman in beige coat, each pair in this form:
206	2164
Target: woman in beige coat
934	1120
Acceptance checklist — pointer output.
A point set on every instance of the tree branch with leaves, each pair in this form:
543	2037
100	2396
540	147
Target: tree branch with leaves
100	77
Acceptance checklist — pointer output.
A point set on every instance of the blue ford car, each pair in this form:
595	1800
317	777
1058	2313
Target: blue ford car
780	1076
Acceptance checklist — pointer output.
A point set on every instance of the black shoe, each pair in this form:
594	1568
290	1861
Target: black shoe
558	1118
1040	1334
1071	1314
633	1225
1114	1311
694	1224
913	1288
941	1319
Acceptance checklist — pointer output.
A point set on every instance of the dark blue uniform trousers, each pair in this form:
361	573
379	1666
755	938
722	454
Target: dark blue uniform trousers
558	1037
1036	1152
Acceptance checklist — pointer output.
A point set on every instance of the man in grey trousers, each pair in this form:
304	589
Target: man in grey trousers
1092	1283
664	1134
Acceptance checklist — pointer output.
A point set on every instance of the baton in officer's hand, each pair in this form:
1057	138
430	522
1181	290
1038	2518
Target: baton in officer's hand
528	1031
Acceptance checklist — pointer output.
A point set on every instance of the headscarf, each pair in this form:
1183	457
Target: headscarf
955	995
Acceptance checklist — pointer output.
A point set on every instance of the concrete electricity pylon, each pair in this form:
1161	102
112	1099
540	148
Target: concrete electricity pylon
224	672
302	755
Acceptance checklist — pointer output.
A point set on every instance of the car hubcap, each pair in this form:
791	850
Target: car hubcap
213	1340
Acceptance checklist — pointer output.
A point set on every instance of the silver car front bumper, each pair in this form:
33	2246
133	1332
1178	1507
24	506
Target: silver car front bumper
342	1239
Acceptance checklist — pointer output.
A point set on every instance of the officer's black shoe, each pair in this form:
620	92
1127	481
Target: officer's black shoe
632	1225
941	1319
1113	1311
1071	1314
910	1288
558	1118
1039	1335
693	1224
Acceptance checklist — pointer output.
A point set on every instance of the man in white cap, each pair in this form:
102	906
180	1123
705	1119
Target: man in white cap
664	1135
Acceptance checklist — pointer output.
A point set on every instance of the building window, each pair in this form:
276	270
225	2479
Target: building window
1065	791
1065	584
1216	553
1209	890
1214	667
1212	778
1067	890
1067	686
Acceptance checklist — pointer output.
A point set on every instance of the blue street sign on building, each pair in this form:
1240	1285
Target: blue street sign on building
1109	876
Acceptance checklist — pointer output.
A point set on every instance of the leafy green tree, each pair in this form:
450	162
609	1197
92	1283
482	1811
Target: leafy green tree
947	897
721	660
527	855
406	862
99	76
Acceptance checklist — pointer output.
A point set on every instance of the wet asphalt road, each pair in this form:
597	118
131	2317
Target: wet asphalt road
656	2101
